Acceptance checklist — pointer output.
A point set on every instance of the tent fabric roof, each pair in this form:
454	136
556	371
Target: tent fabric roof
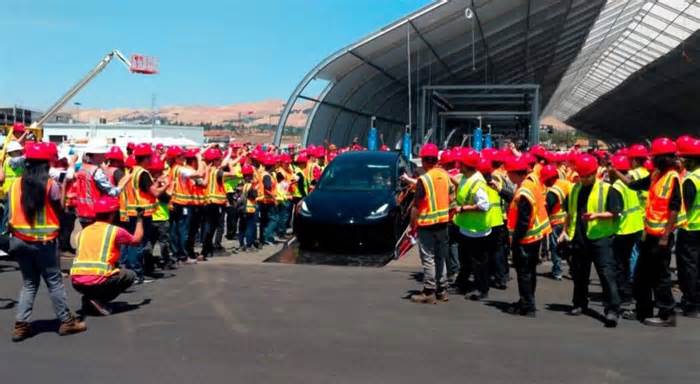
504	42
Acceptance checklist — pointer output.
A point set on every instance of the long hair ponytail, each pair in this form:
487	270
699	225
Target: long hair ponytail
34	179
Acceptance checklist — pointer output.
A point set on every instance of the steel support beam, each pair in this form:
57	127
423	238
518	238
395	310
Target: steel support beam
378	68
350	110
432	50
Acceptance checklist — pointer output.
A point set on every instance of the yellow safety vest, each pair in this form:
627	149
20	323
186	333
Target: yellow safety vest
11	174
693	211
96	246
471	221
494	216
636	174
632	217
597	199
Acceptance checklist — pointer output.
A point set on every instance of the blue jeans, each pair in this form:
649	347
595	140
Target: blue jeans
269	218
179	230
284	209
132	256
633	259
556	259
249	226
37	261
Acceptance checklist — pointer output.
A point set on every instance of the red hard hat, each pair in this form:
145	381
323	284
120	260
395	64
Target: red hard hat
143	149
247	170
115	153
637	151
106	204
530	158
484	166
302	158
269	159
384	148
663	146
623	151
156	164
191	153
517	164
689	148
286	158
469	158
212	154
586	165
429	150
40	151
173	151
489	153
446	157
130	145
332	156
649	165
18	128
130	161
539	151
159	146
621	162
548	172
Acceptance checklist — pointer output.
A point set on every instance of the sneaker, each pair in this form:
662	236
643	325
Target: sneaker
558	277
611	319
477	296
191	261
424	298
23	330
442	296
669	321
72	326
577	311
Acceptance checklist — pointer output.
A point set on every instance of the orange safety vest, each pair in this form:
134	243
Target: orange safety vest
435	206
85	191
45	225
216	194
133	198
97	252
657	212
250	206
181	186
265	196
539	220
561	189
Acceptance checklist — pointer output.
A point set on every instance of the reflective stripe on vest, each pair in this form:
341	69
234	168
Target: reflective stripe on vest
657	212
96	246
267	196
11	174
45	225
636	174
693	211
133	198
632	217
250	205
471	221
539	220
435	207
597	202
494	216
216	193
561	189
182	190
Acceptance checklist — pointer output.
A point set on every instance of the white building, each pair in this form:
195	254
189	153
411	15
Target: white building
122	133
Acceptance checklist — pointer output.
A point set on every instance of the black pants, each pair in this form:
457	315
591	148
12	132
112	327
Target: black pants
231	215
525	258
160	234
67	222
599	253
212	216
622	248
196	219
476	250
687	258
110	289
498	261
652	278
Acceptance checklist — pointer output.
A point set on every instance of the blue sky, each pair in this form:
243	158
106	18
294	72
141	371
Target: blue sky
210	51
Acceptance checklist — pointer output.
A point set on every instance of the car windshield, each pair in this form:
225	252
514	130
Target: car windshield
356	175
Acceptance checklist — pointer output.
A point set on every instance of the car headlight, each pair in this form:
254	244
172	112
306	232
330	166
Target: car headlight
379	213
304	210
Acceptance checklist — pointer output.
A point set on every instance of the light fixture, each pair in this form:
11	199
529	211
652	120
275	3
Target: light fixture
468	13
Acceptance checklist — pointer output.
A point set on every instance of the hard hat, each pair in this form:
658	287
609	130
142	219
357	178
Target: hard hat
689	147
286	158
484	166
40	151
106	204
663	146
384	148
549	172
332	156
586	165
130	161
429	150
623	151
269	159
18	128
517	164
469	158
97	149
143	149
247	170
529	158
302	158
539	151
115	153
637	151
621	162
319	152
489	153
649	165
212	154
173	151
191	153
156	164
446	157
14	146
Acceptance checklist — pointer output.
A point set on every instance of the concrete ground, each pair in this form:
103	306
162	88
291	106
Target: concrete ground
235	320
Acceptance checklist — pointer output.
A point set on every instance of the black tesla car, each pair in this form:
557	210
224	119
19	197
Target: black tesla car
360	203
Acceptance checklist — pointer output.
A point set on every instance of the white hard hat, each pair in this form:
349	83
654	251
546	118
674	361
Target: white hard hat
96	149
14	146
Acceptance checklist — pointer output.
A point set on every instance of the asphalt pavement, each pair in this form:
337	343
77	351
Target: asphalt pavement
235	319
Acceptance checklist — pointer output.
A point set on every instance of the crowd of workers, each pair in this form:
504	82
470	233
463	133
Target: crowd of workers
625	213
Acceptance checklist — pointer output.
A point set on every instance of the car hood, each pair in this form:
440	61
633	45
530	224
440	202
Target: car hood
347	206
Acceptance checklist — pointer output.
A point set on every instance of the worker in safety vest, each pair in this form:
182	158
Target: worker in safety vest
160	224
34	206
182	178
114	168
664	212
557	191
267	200
303	184
285	186
216	200
528	224
94	272
248	211
592	209
139	193
12	168
91	182
448	162
688	246
629	230
231	187
472	204
429	217
197	203
496	240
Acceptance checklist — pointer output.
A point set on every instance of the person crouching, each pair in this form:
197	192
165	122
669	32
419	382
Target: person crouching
94	273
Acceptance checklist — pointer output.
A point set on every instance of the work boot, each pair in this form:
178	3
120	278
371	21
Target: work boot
442	296
611	319
23	330
72	326
668	321
424	297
